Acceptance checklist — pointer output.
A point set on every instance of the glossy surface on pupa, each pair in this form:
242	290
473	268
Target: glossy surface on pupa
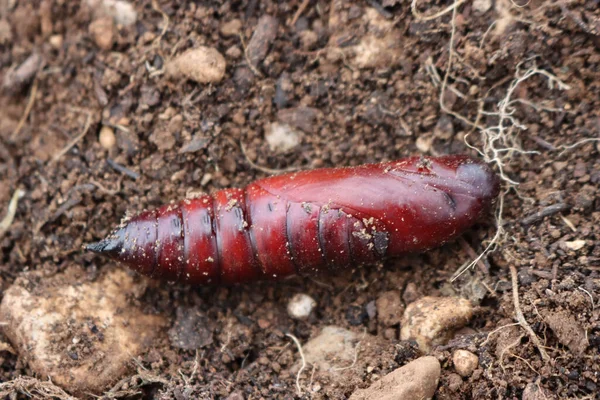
307	221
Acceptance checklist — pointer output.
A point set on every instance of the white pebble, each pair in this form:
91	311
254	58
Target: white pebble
465	362
300	306
107	137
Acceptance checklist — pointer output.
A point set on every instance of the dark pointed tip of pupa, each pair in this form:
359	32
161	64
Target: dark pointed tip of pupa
105	246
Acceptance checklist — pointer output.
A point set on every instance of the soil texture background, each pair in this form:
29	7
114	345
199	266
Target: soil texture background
101	115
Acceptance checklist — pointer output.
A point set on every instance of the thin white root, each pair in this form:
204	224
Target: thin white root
521	318
12	210
297	343
421	17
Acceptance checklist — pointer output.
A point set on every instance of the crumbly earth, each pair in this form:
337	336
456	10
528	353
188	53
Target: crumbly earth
357	82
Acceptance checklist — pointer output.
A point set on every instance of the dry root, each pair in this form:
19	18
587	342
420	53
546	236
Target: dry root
33	388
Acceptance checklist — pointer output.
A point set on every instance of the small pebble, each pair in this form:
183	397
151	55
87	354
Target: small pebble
102	31
465	362
107	137
231	28
417	380
575	245
300	306
281	137
56	41
433	320
201	64
533	391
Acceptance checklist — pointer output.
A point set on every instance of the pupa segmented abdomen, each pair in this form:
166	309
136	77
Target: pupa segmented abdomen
304	222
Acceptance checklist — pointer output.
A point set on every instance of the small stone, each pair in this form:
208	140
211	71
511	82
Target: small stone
197	143
107	137
482	6
333	347
454	382
465	362
431	321
201	64
575	245
231	28
103	32
44	315
56	41
533	391
424	142
417	380
233	52
301	306
262	38
390	308
175	124
281	137
15	79
121	11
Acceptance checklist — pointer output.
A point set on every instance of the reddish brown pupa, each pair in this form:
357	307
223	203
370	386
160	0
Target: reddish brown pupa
304	222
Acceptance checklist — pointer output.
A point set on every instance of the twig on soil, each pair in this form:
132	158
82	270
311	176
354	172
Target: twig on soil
543	213
589	294
299	12
491	245
28	108
469	250
264	169
252	67
86	128
155	7
504	350
297	343
105	190
7	347
12	210
521	318
568	223
124	170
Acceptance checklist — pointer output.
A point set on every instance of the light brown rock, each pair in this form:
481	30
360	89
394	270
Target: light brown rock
103	32
417	380
231	28
431	321
201	64
333	348
80	334
465	362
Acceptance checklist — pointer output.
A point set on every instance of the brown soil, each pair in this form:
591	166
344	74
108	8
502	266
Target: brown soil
369	114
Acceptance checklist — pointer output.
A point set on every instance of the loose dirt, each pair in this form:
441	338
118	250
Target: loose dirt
354	82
